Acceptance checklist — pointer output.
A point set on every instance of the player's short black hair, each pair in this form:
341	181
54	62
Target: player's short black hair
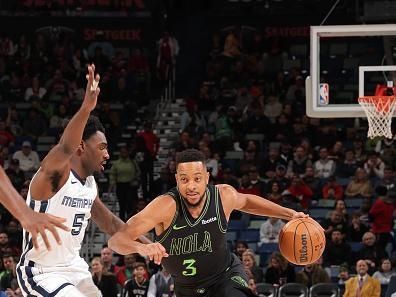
93	125
190	155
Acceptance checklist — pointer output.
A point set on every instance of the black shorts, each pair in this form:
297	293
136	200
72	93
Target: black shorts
234	283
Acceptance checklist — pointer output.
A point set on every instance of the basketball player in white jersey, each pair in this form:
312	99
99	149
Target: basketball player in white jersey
32	222
64	186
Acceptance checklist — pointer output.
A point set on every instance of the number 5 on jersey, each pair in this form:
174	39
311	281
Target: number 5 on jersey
190	270
77	223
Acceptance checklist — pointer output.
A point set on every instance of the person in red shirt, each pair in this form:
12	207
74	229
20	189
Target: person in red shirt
301	191
381	214
151	140
332	190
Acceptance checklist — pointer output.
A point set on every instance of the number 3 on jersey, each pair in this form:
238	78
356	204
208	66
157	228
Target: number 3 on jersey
190	270
77	223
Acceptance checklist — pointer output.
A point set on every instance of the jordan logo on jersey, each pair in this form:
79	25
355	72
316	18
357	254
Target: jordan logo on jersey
77	202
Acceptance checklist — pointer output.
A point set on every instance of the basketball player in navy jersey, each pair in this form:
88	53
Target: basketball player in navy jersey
33	222
64	186
190	222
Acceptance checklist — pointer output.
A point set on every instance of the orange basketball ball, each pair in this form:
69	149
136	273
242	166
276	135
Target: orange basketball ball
302	241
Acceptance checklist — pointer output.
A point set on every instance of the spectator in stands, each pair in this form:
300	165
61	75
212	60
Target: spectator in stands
104	280
6	137
272	108
57	86
280	173
324	167
251	267
359	186
163	183
385	271
224	134
15	174
335	222
299	163
168	49
362	285
34	125
312	181
106	256
341	207
253	286
184	142
35	90
381	215
279	271
4	244
58	119
250	158
370	251
343	275
356	229
312	274
8	280
13	122
274	194
125	181
145	161
374	167
359	151
256	181
139	284
246	186
240	248
192	120
336	252
347	167
332	190
126	272
161	284
389	179
301	191
229	178
29	160
269	230
211	163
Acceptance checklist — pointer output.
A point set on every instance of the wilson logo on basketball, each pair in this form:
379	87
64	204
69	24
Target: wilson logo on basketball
304	248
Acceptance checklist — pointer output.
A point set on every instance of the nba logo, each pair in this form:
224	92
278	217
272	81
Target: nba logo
324	94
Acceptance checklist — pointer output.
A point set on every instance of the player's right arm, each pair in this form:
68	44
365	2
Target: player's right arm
34	223
56	165
158	215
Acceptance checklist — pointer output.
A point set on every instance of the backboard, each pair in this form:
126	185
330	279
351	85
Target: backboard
348	62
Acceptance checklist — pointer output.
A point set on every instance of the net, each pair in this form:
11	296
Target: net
379	111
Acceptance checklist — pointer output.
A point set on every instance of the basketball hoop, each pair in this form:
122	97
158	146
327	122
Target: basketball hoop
379	111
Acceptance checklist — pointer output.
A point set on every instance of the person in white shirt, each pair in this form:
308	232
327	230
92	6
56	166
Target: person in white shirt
29	160
324	167
269	230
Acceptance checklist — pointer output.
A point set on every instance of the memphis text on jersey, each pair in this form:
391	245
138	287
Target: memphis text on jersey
77	202
191	244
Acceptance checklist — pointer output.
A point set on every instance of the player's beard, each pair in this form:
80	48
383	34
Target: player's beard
193	205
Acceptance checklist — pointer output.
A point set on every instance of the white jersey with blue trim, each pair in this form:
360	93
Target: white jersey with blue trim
72	202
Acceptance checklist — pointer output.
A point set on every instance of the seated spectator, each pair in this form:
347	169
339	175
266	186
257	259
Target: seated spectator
256	181
371	252
312	182
335	222
356	229
347	167
324	167
106	256
362	285
271	163
15	174
126	272
336	252
301	191
161	284
229	178
381	215
274	194
104	280
280	177
359	151
279	271
332	190
251	268
340	207
343	275
211	163
34	124
389	179
374	166
6	137
252	286
240	248
29	160
269	230
35	90
139	284
8	278
359	186
299	163
246	186
312	274
385	271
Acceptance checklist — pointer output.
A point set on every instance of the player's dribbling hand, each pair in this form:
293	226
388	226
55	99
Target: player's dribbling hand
37	223
92	90
299	215
155	251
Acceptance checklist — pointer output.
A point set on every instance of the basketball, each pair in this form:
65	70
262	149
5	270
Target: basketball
302	241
